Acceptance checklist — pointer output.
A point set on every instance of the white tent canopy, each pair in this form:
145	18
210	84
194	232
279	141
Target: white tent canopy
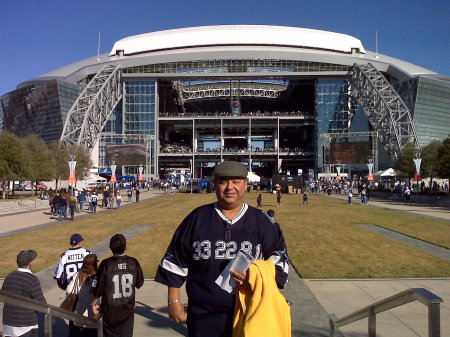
253	178
390	172
92	179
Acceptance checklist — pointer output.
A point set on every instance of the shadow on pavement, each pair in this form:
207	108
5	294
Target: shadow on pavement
157	320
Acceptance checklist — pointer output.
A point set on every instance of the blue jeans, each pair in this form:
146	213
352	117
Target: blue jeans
82	206
62	211
118	203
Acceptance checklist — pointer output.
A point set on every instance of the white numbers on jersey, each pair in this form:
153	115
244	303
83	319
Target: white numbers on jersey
123	285
72	269
202	250
224	250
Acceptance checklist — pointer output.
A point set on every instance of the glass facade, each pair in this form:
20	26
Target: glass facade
236	66
432	110
40	108
332	109
133	119
139	107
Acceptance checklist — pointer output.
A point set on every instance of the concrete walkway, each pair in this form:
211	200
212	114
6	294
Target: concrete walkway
12	224
312	300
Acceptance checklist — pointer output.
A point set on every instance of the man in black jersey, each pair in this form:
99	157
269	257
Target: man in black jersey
118	277
207	239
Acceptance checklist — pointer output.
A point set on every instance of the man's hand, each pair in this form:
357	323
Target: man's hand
177	312
239	278
96	309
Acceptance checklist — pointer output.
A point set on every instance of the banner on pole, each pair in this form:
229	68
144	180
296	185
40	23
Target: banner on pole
113	173
370	175
141	176
72	176
338	169
417	175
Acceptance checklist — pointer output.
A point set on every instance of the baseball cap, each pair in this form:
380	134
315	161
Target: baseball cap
271	212
25	257
76	238
230	169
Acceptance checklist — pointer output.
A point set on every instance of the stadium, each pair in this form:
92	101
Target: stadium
280	99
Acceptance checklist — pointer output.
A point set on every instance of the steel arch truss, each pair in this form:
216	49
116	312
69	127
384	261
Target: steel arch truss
385	109
201	91
90	112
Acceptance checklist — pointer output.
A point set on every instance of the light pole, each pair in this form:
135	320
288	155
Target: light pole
72	176
417	176
192	174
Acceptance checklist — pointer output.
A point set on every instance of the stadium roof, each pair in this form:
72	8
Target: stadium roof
237	35
236	42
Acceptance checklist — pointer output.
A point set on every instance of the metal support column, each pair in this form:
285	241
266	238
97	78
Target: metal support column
434	320
372	323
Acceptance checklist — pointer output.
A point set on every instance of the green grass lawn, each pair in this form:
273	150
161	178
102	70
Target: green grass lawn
322	238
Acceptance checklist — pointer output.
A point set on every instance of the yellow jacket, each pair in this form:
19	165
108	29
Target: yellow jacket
260	309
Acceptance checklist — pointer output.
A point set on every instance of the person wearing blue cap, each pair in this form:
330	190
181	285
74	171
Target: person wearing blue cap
207	239
70	261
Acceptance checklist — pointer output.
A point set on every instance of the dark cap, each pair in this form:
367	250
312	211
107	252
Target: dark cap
25	257
271	212
230	169
75	239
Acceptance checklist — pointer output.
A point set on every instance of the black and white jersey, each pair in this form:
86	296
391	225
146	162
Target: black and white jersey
202	247
69	264
117	280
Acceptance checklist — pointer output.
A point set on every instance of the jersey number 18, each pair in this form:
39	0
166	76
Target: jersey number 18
123	285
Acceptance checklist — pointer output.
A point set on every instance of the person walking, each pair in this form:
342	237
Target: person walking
62	210
259	200
205	241
111	200
70	261
279	198
118	277
118	199
18	321
129	194
93	202
363	197
305	199
408	195
83	285
350	196
82	200
72	203
137	193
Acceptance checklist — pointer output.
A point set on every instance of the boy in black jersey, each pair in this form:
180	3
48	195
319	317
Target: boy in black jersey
118	277
206	241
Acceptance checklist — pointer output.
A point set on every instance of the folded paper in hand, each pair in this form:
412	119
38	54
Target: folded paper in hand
240	263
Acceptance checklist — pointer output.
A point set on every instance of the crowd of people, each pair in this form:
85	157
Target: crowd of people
176	148
65	203
108	290
230	114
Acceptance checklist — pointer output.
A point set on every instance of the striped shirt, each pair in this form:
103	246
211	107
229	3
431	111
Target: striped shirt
22	282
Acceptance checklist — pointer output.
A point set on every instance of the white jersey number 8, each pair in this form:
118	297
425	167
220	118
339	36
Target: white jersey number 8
123	285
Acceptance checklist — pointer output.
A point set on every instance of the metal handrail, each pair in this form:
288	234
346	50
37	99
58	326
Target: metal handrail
414	294
50	312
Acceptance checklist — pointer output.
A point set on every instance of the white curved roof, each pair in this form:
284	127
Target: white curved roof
237	35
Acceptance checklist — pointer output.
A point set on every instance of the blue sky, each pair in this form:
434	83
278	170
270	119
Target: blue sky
42	35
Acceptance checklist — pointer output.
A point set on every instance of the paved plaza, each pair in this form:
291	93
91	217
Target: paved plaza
312	300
